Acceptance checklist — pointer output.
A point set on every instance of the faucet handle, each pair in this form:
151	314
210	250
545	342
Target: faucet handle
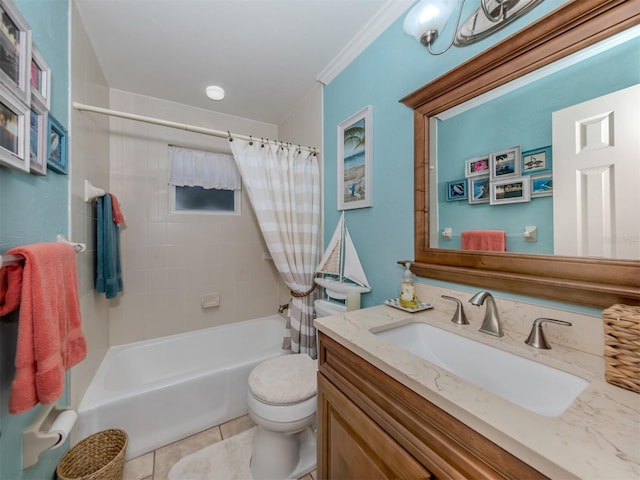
459	318
536	338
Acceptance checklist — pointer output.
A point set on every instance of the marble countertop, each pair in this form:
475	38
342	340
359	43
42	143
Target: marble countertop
597	437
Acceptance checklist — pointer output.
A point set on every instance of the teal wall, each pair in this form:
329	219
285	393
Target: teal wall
33	209
522	117
389	69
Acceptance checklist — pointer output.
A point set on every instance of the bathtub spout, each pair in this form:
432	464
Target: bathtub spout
283	307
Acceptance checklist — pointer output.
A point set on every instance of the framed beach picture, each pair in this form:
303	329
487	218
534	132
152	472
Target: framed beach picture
15	51
40	80
14	131
479	189
38	129
475	167
513	190
57	148
505	164
542	185
355	161
536	161
457	190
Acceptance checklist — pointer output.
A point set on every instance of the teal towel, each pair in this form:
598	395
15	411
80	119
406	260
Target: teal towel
108	270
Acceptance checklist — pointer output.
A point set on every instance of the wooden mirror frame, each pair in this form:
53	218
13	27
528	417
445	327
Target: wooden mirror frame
586	281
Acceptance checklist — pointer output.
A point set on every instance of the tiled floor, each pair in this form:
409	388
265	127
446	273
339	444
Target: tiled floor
156	465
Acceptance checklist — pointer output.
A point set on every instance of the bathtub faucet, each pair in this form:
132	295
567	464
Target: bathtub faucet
283	307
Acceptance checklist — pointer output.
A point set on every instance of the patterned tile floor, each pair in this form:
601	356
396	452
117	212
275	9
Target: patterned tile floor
157	464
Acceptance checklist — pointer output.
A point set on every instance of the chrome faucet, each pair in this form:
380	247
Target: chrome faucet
491	322
536	338
283	307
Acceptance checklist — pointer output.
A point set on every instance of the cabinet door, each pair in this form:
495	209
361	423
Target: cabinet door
352	446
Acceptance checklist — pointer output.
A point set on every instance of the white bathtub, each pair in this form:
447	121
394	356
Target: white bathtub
165	389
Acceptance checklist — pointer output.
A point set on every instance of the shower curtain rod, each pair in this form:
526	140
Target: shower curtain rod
181	126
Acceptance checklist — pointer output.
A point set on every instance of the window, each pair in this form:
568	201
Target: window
203	182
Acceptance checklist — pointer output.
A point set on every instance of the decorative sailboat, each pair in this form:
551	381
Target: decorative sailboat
340	267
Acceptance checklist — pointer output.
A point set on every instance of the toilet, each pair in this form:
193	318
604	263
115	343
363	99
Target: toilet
282	402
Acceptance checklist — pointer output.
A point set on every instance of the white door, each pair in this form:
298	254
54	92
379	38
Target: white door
596	177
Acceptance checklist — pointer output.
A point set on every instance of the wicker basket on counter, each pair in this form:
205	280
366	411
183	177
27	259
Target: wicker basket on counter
622	346
97	457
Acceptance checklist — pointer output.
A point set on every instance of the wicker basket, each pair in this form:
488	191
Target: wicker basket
97	457
622	346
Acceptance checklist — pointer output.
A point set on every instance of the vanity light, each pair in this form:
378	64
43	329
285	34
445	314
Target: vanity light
214	92
427	18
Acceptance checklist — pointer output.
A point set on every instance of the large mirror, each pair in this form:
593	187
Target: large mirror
590	281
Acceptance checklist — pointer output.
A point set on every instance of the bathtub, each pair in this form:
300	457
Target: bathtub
165	389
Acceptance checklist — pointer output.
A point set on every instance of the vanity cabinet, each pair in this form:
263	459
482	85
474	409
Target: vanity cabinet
372	427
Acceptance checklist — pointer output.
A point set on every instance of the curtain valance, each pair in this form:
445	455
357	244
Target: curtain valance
198	168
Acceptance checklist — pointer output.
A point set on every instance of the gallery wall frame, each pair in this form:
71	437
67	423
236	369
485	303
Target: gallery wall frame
15	51
477	166
542	185
511	190
38	141
40	80
355	160
456	190
505	163
57	159
14	131
479	189
536	161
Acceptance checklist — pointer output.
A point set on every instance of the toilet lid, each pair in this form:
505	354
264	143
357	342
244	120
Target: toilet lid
284	380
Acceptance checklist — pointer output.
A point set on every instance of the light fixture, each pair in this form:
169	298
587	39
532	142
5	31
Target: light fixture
214	92
427	18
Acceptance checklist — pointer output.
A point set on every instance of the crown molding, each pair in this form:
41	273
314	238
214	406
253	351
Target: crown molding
388	14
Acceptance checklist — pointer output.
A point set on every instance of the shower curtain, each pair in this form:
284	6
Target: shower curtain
283	183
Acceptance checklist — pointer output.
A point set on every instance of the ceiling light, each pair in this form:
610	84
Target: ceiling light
214	92
427	18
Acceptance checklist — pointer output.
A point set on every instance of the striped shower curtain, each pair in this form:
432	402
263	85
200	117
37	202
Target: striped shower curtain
283	183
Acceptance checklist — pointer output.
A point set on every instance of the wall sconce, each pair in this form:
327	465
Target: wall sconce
427	18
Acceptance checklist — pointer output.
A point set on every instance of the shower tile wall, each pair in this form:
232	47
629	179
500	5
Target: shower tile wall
170	260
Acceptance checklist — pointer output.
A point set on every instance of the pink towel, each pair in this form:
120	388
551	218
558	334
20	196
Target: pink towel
10	288
118	217
487	240
50	338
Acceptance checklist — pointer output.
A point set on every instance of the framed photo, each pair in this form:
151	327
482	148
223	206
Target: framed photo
14	131
15	51
513	190
505	164
38	122
479	189
40	80
355	161
476	166
57	146
536	161
457	190
542	185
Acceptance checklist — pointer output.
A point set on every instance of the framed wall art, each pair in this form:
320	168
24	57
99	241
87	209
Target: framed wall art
14	131
536	161
15	51
505	164
57	146
355	161
476	166
513	190
541	185
38	122
479	189
40	80
457	190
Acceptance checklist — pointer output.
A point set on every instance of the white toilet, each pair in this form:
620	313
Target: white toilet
282	401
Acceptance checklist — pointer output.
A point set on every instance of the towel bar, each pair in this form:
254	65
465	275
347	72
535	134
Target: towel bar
10	259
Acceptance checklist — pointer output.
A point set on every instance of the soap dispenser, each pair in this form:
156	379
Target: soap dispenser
408	297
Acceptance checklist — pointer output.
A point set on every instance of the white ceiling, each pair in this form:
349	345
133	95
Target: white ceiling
266	54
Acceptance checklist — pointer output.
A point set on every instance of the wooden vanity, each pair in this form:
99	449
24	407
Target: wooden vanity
372	427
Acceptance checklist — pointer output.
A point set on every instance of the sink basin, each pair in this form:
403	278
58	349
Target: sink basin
536	387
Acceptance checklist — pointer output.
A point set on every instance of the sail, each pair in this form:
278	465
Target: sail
352	267
330	262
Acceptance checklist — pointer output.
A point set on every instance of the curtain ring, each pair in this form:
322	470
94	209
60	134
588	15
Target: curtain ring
261	142
250	140
229	133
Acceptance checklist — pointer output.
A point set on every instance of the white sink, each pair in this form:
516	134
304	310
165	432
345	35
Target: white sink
536	387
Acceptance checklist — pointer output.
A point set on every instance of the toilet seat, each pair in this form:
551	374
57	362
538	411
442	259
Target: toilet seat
285	380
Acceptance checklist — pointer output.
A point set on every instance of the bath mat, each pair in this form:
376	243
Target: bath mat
225	460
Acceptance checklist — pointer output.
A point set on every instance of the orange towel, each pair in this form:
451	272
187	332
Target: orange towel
487	240
50	338
10	288
118	217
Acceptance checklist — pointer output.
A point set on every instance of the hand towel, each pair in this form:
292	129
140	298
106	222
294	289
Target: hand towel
10	288
487	240
108	270
118	217
50	337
